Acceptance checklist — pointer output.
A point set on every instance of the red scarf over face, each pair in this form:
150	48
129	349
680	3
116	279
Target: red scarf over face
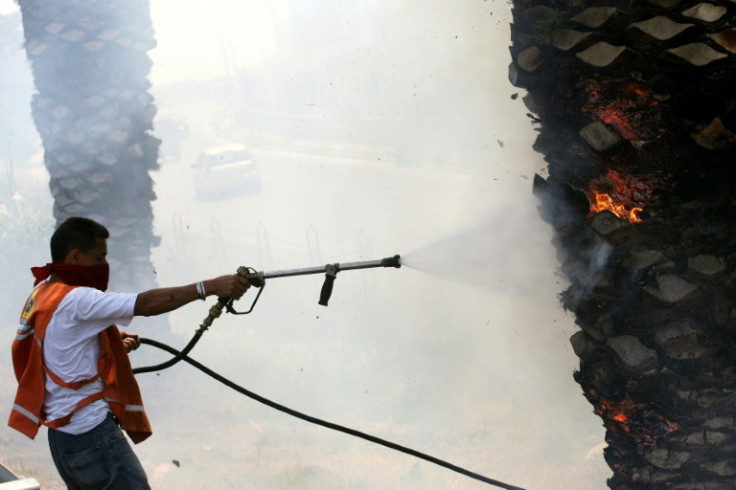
94	276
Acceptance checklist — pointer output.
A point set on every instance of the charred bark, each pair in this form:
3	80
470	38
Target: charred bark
637	116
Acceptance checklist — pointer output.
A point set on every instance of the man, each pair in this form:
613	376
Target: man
71	361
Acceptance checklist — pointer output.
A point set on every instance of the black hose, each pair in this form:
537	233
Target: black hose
178	357
182	355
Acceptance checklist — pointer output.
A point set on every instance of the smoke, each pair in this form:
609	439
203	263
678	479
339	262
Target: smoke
586	275
378	129
506	251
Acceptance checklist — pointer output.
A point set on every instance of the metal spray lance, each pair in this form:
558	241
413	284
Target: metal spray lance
257	279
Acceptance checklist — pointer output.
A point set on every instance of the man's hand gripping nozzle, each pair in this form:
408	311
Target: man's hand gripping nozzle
255	279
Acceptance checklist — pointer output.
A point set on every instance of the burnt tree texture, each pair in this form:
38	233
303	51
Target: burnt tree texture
636	112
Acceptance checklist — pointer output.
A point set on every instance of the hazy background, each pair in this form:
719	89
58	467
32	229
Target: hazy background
380	128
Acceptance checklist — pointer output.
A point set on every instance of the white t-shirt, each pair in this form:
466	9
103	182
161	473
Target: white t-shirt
71	348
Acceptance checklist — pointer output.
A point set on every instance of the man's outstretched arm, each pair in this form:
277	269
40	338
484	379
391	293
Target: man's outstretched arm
162	300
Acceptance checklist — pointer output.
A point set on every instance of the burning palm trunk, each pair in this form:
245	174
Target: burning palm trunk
636	111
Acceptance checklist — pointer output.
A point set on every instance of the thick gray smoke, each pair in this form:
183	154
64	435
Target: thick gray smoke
378	128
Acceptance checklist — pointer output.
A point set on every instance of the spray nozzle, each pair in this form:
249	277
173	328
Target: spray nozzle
394	261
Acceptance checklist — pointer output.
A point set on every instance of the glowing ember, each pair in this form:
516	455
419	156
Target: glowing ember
624	106
623	196
640	421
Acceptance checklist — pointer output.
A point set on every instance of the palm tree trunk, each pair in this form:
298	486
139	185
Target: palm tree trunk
94	114
637	121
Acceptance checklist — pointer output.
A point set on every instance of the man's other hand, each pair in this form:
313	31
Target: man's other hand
130	341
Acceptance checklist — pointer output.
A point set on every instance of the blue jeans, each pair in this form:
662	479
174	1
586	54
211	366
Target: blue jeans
98	459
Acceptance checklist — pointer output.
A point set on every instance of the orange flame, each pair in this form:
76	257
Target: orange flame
623	196
603	202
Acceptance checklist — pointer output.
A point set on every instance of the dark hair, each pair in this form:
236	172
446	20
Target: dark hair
75	232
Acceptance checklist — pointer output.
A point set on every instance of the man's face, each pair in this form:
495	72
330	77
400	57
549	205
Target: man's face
96	255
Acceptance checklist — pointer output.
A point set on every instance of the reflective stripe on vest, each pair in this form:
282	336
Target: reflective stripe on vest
22	334
26	413
127	408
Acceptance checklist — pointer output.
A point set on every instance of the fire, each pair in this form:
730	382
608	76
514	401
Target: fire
626	106
604	202
642	422
623	196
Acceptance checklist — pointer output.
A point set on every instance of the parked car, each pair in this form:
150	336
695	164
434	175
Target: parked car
226	170
11	481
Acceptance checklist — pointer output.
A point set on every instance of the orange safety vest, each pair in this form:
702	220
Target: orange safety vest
113	368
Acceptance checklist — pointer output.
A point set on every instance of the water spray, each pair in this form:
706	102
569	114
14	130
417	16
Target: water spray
258	280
